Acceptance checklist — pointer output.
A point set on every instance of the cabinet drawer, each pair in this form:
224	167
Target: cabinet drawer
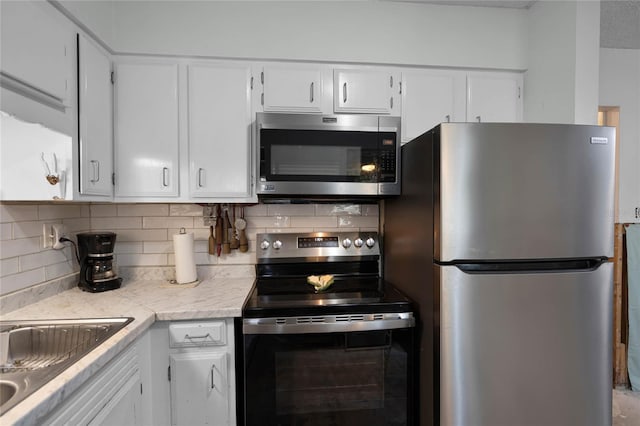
211	333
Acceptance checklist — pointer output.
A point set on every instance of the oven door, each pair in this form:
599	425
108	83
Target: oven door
343	378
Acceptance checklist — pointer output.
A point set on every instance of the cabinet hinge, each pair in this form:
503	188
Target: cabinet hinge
113	77
169	373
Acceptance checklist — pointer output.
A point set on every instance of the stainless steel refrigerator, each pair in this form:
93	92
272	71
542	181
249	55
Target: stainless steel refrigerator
501	237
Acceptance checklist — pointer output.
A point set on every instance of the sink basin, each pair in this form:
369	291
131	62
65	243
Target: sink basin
7	391
34	352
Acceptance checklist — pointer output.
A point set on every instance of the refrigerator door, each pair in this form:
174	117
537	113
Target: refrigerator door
525	349
523	191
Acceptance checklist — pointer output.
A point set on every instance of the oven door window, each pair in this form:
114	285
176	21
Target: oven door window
319	155
359	378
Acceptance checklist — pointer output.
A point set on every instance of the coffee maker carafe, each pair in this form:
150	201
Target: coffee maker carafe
97	267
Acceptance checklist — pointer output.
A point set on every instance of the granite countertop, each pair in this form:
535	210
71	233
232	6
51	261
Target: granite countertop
146	301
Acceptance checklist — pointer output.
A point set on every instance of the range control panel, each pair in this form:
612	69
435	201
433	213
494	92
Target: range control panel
317	244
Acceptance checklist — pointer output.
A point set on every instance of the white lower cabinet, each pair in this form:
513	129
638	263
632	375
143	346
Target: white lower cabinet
192	367
112	397
199	388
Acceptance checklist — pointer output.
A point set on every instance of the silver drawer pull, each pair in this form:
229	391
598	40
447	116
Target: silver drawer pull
213	385
186	336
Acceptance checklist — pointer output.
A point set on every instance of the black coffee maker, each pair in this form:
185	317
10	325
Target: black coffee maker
97	267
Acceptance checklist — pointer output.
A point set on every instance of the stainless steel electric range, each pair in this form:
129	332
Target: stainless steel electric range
338	353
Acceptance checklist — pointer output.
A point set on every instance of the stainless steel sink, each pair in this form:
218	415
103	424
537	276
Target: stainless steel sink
34	352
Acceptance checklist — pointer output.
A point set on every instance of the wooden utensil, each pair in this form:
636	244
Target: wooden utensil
218	231
241	224
235	243
226	246
212	241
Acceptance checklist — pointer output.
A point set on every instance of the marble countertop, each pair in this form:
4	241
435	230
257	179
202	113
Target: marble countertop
146	301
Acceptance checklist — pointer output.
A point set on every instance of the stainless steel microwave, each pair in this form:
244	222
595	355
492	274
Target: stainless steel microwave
328	156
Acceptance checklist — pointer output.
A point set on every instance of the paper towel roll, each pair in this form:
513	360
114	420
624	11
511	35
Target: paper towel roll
185	257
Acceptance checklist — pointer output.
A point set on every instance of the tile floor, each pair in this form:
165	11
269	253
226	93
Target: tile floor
626	408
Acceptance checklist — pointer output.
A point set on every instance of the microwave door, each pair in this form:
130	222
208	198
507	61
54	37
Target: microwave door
319	162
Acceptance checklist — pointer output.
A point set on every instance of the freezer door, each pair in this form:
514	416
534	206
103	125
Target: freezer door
523	191
525	349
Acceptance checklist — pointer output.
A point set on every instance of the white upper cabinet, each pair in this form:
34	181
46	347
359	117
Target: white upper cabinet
430	97
146	129
494	97
374	91
296	88
95	119
220	130
36	54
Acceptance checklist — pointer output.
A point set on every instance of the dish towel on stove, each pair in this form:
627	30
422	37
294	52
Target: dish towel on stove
633	272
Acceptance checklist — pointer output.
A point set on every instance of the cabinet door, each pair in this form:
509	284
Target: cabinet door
364	91
293	89
146	123
199	388
111	397
494	97
95	119
429	98
220	130
36	52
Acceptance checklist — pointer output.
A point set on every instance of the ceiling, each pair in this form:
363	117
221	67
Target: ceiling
619	19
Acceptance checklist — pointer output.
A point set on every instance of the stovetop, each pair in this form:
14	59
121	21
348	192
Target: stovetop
286	260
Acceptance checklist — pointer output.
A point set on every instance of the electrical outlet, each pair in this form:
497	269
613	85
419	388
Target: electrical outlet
51	234
59	231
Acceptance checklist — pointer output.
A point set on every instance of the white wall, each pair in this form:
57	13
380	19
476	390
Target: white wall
336	31
96	15
561	81
620	86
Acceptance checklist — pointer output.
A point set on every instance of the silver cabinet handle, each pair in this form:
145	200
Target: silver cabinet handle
95	165
448	117
201	177
344	93
165	176
186	336
311	94
391	102
213	385
478	118
390	81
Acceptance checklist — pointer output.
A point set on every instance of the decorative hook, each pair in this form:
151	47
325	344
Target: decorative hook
52	178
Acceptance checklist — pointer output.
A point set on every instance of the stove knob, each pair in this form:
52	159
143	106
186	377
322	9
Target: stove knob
277	244
358	242
264	244
346	243
370	242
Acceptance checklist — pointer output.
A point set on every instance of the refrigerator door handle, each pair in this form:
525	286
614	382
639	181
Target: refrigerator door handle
528	266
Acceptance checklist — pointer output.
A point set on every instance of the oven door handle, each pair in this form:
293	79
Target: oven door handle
328	323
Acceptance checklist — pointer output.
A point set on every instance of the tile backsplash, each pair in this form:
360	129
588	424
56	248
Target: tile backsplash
145	233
